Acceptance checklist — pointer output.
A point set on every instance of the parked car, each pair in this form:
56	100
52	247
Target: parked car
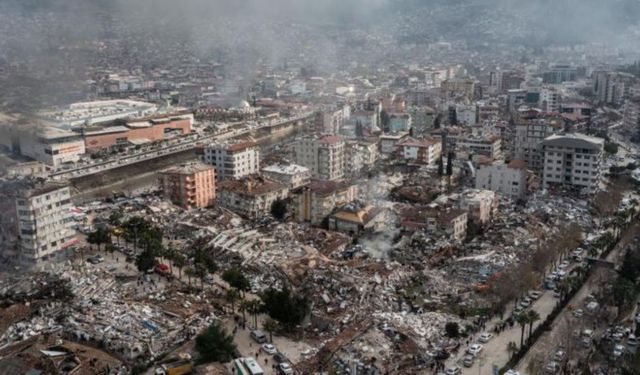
526	302
535	294
474	349
455	370
279	358
578	313
258	336
552	367
485	337
618	351
632	340
285	368
559	356
467	361
268	348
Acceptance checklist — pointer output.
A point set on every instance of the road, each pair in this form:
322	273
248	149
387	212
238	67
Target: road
176	145
495	351
566	323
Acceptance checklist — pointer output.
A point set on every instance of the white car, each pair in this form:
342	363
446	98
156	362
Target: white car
474	349
618	351
453	371
578	313
269	349
485	337
535	294
526	302
285	368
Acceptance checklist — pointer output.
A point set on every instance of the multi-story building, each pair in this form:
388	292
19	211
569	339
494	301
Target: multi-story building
368	119
487	145
399	122
323	156
290	175
232	160
52	146
251	196
613	87
530	132
481	205
356	218
549	100
388	142
467	114
424	151
632	114
572	159
317	200
449	221
189	186
44	223
152	129
509	180
516	98
422	119
559	73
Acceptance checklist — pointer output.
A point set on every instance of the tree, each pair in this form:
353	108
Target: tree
270	326
111	249
279	209
512	348
200	271
284	306
532	317
254	307
232	296
522	319
236	278
179	260
145	261
215	345
440	167
449	163
190	272
452	329
611	148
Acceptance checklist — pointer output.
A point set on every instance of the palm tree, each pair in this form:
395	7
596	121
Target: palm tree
270	325
190	272
533	317
512	348
179	260
232	297
523	320
254	307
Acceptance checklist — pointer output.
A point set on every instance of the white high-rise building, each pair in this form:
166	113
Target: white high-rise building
509	180
572	159
44	223
323	156
232	160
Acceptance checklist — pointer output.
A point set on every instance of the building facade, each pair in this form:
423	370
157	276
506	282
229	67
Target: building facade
251	196
509	180
52	146
317	200
323	156
424	151
189	186
572	159
291	175
232	160
44	223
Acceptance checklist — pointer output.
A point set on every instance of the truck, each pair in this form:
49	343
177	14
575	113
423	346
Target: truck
179	367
